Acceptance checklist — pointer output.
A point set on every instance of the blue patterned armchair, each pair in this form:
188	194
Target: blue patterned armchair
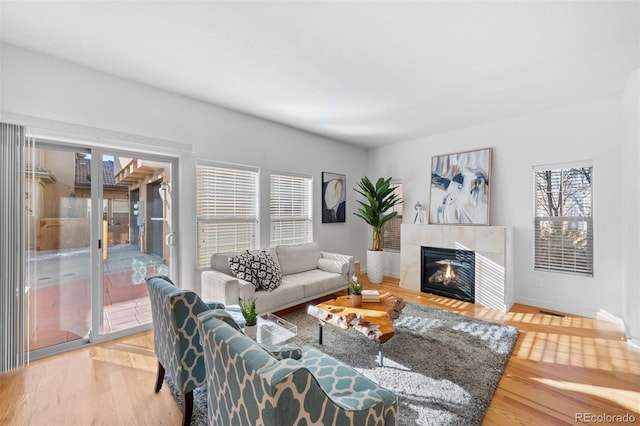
248	386
176	339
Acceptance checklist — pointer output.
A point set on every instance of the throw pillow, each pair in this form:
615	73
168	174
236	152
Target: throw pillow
268	272
331	265
242	267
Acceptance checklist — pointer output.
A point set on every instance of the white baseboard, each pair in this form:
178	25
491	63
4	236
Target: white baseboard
607	316
633	341
554	307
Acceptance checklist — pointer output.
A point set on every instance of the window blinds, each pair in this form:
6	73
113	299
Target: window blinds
291	209
563	219
226	209
13	229
391	230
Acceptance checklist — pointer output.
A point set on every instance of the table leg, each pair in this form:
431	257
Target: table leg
320	327
381	355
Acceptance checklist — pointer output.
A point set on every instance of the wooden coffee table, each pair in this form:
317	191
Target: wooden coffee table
373	319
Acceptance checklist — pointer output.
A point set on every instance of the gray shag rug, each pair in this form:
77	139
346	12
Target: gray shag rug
199	412
443	366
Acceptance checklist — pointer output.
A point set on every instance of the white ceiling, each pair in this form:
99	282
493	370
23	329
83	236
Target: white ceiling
368	73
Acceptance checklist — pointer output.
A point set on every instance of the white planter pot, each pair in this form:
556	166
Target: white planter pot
251	331
375	266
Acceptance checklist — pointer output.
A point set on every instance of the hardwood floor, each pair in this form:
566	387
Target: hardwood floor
560	368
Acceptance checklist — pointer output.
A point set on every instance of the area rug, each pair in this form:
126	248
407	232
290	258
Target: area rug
443	366
199	412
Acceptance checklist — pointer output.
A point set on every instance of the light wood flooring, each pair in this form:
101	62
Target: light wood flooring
561	367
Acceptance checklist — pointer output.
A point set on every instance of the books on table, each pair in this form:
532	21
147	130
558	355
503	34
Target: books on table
370	296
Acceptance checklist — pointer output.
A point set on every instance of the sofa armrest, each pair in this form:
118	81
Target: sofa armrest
283	351
214	305
346	399
356	401
339	259
222	288
222	315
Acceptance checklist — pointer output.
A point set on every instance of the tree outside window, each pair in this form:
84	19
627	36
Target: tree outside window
563	218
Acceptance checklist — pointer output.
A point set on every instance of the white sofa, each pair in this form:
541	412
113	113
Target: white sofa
307	273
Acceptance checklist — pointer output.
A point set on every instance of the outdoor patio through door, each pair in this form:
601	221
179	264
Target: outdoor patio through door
91	245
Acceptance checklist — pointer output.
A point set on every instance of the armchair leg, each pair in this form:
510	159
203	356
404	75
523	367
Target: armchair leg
160	377
188	408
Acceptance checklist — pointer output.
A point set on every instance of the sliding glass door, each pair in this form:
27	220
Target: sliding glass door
59	249
101	222
136	219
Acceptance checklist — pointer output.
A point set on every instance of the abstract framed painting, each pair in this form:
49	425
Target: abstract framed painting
334	196
461	188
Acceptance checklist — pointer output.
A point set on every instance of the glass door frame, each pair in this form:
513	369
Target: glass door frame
42	143
85	144
97	270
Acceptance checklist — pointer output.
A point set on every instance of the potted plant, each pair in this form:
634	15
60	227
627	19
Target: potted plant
248	308
379	199
355	287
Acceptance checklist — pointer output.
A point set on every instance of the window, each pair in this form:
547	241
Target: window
391	230
227	210
563	223
290	209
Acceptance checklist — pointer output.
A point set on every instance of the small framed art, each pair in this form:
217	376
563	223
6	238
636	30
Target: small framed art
333	197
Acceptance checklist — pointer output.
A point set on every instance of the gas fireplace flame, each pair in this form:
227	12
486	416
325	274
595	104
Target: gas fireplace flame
445	275
449	274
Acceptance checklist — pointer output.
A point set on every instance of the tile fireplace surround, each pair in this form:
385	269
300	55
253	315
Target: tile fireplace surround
492	244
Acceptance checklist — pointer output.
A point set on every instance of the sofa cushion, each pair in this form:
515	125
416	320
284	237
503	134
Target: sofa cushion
284	295
268	271
314	282
298	258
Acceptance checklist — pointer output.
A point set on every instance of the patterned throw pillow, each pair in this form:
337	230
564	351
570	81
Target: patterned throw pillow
242	267
268	271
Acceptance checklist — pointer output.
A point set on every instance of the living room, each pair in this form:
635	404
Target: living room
593	117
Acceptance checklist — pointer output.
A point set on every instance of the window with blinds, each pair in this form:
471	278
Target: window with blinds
391	230
291	209
227	210
563	223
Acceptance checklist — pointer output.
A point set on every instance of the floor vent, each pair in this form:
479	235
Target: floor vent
553	313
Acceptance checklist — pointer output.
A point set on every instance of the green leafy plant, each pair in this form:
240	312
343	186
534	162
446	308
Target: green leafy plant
354	285
248	308
379	199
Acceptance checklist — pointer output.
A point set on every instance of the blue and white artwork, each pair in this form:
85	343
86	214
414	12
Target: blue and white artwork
460	188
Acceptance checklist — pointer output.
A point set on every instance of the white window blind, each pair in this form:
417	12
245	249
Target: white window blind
227	210
391	230
563	219
15	147
291	209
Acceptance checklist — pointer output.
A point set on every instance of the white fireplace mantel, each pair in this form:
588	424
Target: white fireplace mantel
492	244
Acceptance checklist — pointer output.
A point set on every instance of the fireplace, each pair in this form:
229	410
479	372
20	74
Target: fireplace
448	272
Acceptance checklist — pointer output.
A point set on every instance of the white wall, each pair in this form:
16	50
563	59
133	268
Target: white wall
589	130
46	88
630	216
